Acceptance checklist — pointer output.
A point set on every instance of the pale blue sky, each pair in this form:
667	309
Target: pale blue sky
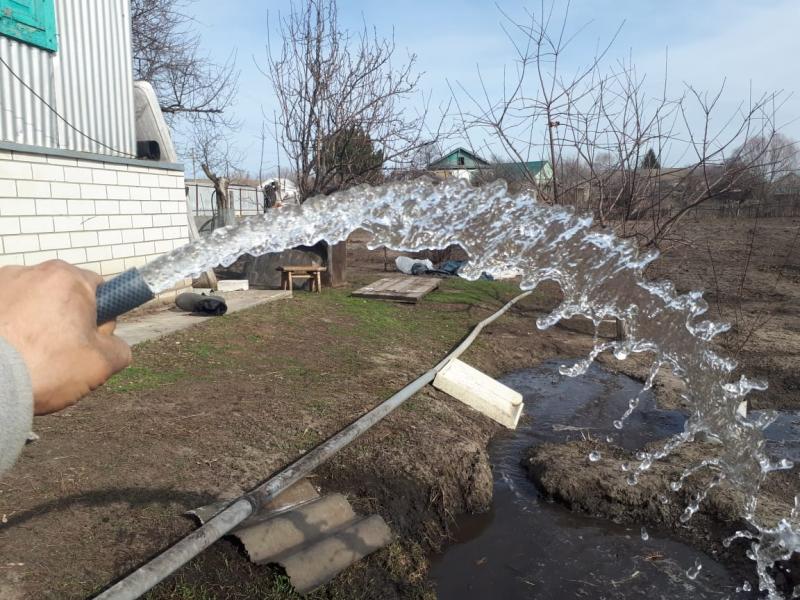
755	42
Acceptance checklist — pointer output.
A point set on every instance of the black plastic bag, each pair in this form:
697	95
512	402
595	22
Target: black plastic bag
202	304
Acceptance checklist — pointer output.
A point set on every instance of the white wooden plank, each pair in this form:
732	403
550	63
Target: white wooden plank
480	392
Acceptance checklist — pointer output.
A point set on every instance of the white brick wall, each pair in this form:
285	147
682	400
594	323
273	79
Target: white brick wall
101	216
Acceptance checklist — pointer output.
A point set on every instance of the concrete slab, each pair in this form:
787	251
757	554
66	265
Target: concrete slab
151	326
232	285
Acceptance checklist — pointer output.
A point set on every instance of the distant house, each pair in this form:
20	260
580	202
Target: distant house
458	163
463	164
539	171
458	159
72	185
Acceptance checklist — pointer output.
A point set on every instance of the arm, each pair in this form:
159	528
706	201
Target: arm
16	405
48	320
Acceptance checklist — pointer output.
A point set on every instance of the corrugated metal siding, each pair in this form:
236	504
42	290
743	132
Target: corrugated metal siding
89	81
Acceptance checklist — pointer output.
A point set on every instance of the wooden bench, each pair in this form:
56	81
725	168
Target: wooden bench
291	272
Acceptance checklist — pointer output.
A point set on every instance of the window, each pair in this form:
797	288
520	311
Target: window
460	161
30	21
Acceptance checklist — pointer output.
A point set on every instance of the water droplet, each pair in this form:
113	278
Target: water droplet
663	499
632	479
609	439
675	485
595	456
694	571
645	535
746	586
618	424
626	466
686	515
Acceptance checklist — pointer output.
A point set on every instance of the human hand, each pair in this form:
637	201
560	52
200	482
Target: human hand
49	316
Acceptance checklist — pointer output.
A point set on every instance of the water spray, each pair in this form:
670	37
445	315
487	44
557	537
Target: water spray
512	235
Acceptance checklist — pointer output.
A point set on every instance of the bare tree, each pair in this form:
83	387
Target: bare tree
166	52
759	163
597	123
335	87
219	161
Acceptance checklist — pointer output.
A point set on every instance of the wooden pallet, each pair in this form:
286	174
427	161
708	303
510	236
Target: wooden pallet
399	289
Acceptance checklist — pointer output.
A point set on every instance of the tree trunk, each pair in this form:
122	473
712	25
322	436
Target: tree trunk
226	214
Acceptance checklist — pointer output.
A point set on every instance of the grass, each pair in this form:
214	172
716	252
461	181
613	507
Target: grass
137	379
372	318
482	292
203	350
295	370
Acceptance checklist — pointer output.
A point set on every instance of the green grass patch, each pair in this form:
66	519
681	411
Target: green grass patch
137	379
481	292
203	350
377	319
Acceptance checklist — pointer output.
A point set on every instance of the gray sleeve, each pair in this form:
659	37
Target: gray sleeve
16	405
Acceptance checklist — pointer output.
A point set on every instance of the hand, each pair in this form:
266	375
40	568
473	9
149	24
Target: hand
48	314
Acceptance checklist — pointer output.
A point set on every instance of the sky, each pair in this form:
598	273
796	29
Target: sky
753	46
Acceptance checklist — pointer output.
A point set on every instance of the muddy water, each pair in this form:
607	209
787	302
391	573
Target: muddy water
527	547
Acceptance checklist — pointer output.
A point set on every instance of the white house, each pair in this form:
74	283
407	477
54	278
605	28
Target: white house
71	185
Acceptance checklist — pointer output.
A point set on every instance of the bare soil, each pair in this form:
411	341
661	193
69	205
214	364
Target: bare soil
749	270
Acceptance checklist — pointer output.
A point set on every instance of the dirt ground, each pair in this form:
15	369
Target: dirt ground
209	412
750	272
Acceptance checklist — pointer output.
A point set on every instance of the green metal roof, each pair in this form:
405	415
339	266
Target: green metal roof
532	167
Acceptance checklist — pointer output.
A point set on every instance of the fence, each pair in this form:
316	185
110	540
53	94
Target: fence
786	207
772	208
246	200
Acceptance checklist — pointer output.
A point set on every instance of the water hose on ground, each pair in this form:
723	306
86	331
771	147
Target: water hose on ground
149	575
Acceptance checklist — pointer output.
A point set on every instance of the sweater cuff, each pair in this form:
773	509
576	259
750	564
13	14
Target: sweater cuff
16	405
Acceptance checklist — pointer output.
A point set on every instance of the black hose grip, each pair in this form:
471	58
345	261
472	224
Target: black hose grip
124	292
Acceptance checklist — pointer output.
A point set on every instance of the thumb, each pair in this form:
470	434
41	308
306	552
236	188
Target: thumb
115	351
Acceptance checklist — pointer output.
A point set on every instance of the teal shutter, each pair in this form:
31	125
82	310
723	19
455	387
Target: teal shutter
30	21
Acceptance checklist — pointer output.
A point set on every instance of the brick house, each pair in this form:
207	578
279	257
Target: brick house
71	183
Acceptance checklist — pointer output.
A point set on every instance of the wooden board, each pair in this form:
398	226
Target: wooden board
399	289
480	392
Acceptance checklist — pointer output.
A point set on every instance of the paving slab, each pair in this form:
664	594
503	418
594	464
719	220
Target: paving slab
150	326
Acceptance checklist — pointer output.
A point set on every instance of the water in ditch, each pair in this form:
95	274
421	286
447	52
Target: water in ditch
508	235
527	547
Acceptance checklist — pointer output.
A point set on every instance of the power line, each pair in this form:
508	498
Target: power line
59	115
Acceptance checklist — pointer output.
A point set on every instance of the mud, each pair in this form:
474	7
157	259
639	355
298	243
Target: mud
559	470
